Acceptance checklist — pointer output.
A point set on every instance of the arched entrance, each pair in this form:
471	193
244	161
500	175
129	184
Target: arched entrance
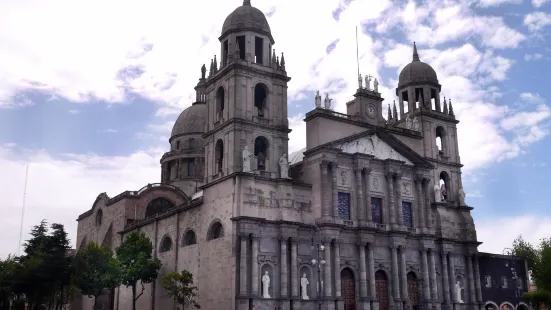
381	288
348	289
413	290
522	306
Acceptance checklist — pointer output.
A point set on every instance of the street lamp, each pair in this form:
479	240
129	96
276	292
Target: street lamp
318	250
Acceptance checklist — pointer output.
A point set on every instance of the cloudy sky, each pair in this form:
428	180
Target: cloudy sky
89	91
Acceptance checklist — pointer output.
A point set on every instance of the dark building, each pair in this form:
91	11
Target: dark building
504	279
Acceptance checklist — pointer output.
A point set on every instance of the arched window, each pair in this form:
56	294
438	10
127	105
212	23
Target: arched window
158	205
441	140
166	244
215	231
219	155
261	152
260	96
99	217
220	98
189	238
444	184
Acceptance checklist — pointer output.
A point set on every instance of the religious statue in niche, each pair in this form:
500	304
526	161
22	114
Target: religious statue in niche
462	196
284	167
318	99
344	174
408	122
265	285
458	292
327	101
405	189
437	193
415	124
261	159
247	159
304	287
444	192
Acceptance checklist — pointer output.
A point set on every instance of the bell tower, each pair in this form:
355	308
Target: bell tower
246	98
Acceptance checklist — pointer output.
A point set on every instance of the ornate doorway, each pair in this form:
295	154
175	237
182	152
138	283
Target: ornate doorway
348	289
413	290
381	288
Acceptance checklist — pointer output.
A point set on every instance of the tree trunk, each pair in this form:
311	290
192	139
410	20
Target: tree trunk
134	296
95	302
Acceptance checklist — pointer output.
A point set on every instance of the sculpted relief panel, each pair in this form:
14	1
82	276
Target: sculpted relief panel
406	188
376	183
372	145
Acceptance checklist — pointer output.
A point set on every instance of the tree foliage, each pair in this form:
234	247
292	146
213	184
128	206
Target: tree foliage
538	259
136	263
8	269
96	270
180	287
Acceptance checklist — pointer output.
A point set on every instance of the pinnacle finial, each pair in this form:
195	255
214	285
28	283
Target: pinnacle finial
415	54
246	2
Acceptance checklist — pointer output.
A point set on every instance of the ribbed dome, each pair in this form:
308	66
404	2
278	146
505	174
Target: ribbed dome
191	120
417	71
246	16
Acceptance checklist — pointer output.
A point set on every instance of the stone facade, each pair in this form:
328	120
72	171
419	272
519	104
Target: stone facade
383	196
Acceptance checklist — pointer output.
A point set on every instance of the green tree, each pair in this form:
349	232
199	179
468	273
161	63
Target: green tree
180	287
136	263
538	259
8	269
96	270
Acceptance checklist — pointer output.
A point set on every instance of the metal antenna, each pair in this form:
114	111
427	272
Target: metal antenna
357	52
23	211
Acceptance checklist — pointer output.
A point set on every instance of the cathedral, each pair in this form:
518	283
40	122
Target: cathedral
370	215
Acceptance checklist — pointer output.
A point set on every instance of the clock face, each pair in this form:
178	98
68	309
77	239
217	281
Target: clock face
371	111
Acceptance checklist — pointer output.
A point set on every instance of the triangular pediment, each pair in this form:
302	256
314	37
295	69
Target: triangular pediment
372	145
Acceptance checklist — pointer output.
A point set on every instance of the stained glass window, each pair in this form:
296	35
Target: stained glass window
406	212
344	206
376	210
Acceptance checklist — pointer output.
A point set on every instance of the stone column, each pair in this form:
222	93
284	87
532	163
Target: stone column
363	271
325	201
284	275
398	189
243	266
334	168
395	273
361	210
390	190
371	270
446	278
254	272
472	296
434	284
337	269
367	201
452	278
420	202
424	265
327	272
404	273
428	211
477	280
294	269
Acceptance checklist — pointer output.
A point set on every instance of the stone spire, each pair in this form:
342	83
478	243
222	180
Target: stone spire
445	106
215	64
389	113
282	62
247	2
395	111
451	108
274	58
415	54
211	70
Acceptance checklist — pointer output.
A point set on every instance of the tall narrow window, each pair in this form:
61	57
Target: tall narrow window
258	50
419	98
405	100
441	140
220	97
444	183
376	210
241	46
191	167
260	96
344	205
219	155
225	48
261	152
433	97
407	214
178	144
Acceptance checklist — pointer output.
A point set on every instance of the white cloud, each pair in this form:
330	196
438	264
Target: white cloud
74	111
498	233
539	3
108	130
530	57
537	20
61	188
491	3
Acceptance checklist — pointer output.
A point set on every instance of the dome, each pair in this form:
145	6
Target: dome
191	120
248	17
417	71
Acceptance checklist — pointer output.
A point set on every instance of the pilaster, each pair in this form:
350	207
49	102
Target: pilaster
472	294
403	273
327	272
294	269
371	270
452	278
325	200
477	284
446	278
243	265
361	206
255	271
334	171
363	271
391	206
426	283
367	203
434	284
337	268
284	271
398	193
395	273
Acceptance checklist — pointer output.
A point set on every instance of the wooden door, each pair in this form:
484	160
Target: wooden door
348	289
381	289
413	290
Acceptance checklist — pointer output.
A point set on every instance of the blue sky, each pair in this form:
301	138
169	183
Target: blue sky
90	107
